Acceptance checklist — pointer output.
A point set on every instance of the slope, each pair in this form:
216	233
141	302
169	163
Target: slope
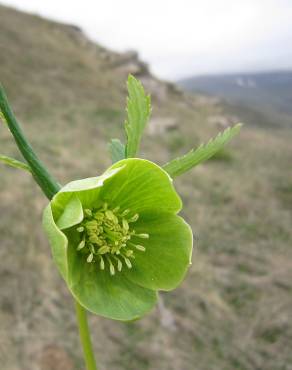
233	310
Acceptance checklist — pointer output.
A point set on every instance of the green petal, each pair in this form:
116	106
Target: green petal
141	186
58	241
87	190
72	214
114	297
168	252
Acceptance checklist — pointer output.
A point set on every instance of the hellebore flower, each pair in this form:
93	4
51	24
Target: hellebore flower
117	238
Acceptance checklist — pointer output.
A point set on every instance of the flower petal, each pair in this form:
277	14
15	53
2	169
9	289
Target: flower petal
114	297
167	257
87	190
58	241
141	186
72	214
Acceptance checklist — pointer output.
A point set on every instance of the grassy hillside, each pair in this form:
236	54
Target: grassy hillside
234	309
268	93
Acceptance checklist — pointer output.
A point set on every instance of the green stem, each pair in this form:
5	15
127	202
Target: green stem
85	337
50	187
41	175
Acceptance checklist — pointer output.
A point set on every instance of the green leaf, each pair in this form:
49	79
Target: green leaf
183	164
14	163
138	110
117	150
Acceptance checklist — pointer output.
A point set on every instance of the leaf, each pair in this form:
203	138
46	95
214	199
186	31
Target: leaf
14	163
138	110
117	150
183	164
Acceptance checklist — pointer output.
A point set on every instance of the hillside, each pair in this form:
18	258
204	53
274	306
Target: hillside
233	312
268	93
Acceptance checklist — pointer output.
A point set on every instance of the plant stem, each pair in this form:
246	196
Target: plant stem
41	175
85	337
50	187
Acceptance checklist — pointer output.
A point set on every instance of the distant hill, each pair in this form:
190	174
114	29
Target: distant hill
268	93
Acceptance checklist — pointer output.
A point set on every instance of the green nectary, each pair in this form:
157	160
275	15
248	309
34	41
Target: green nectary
117	238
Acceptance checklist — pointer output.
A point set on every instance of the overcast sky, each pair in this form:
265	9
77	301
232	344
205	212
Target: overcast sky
180	38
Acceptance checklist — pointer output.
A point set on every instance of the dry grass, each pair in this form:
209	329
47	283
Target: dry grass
234	309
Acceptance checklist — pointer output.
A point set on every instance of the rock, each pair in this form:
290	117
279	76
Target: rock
159	125
129	62
223	122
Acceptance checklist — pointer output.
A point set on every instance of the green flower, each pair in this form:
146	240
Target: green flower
117	238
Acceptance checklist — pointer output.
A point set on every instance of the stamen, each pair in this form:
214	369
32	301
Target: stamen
103	250
90	258
93	238
110	215
128	262
101	264
137	246
142	236
129	253
91	248
134	218
81	245
140	248
126	211
120	265
105	237
99	216
112	267
125	224
88	212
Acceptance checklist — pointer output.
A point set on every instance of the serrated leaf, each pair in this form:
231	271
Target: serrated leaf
117	150
138	110
14	163
183	164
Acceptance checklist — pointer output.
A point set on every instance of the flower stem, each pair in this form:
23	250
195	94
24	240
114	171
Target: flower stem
85	337
50	187
41	175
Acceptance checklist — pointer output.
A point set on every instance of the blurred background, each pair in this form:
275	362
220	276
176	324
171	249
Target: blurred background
207	65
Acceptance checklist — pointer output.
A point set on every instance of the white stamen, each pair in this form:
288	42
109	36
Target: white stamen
81	245
142	236
140	248
88	212
112	268
134	218
90	258
128	262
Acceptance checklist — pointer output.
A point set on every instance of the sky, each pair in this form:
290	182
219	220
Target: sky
181	38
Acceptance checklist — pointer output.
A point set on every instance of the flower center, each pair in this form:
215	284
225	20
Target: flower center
105	237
